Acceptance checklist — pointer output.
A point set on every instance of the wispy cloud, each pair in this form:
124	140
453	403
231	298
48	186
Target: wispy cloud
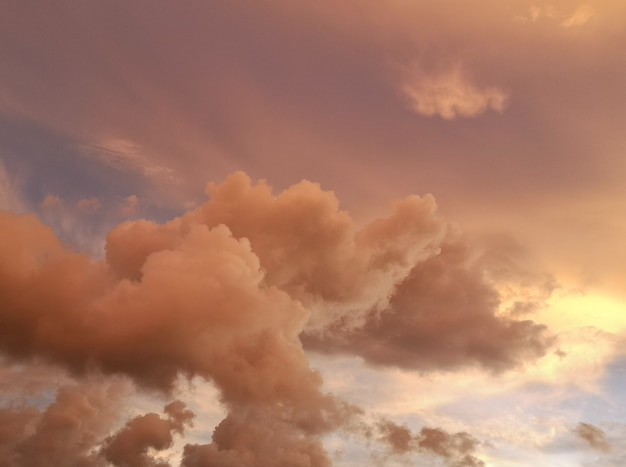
581	16
127	156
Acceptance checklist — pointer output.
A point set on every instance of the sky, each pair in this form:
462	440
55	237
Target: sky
312	234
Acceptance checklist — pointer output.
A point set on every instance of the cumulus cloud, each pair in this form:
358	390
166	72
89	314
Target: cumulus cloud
64	433
225	292
450	94
73	429
130	445
443	315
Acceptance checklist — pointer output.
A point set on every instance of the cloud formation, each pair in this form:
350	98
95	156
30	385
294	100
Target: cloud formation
225	291
457	449
450	94
129	446
443	315
118	101
66	432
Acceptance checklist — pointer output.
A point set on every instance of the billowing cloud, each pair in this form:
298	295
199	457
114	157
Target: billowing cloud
66	432
450	94
130	445
444	314
510	112
225	291
305	244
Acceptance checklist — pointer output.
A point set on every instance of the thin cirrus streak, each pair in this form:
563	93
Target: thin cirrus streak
224	293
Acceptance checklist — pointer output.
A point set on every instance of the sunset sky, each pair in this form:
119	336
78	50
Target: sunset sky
282	233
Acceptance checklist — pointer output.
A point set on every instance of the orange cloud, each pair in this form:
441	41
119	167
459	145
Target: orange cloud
66	432
225	292
457	449
444	314
130	445
581	16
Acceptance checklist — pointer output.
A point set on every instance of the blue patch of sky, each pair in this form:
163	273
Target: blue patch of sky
47	162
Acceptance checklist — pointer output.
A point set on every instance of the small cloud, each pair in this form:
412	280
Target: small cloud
544	11
450	94
536	12
51	201
89	205
457	449
581	16
594	436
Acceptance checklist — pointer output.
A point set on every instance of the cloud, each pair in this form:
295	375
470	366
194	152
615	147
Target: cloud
536	12
443	315
457	449
259	438
130	445
594	436
224	293
89	205
51	201
581	16
73	427
64	433
290	92
450	94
